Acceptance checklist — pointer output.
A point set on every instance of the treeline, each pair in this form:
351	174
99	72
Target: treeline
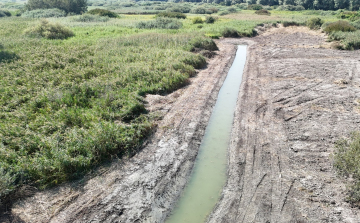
69	6
307	4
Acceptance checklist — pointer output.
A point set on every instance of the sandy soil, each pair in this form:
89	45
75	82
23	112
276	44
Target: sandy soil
297	98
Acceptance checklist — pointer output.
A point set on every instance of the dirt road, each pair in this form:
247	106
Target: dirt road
296	100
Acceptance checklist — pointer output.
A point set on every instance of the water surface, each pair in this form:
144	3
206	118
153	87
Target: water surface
209	173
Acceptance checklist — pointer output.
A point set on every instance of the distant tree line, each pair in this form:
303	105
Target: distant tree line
307	4
69	6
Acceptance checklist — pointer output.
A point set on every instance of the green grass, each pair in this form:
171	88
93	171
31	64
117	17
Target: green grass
68	105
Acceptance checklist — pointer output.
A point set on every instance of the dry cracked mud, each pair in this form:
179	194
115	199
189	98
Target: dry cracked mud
296	99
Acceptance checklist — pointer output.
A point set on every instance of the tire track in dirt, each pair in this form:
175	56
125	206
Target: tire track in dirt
296	100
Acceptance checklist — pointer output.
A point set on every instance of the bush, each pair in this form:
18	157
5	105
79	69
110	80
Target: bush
255	7
314	23
177	15
4	13
352	16
182	9
160	23
90	18
6	56
103	12
262	12
197	20
49	31
6	182
199	10
230	32
224	13
290	8
349	40
44	13
69	6
213	10
342	26
202	44
242	6
347	163
291	23
231	10
210	19
356	24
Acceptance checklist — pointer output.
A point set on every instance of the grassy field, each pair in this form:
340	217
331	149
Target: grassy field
68	105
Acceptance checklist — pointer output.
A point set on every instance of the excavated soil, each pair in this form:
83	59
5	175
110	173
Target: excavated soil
297	98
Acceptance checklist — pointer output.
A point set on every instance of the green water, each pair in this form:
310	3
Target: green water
209	173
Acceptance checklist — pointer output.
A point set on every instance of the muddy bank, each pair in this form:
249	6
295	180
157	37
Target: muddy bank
296	100
144	188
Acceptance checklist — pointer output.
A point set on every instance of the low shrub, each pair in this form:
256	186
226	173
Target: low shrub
230	32
254	7
213	10
182	9
44	13
262	12
127	4
342	26
197	20
160	23
4	13
231	10
347	163
210	19
242	6
349	40
201	43
6	56
200	10
352	16
90	18
7	180
195	60
224	13
49	31
314	23
291	23
103	12
159	7
290	8
356	24
177	15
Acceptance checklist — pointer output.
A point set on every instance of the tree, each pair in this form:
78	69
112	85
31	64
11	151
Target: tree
73	6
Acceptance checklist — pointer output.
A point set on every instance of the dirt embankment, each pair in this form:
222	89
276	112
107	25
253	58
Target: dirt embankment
296	100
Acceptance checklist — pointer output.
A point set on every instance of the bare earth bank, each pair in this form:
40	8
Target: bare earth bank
296	100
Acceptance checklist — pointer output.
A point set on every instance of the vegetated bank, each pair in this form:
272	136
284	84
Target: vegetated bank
67	104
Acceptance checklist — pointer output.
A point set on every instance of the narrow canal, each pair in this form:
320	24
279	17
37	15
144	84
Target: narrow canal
209	173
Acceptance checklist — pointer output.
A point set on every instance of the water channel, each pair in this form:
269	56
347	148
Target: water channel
209	172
